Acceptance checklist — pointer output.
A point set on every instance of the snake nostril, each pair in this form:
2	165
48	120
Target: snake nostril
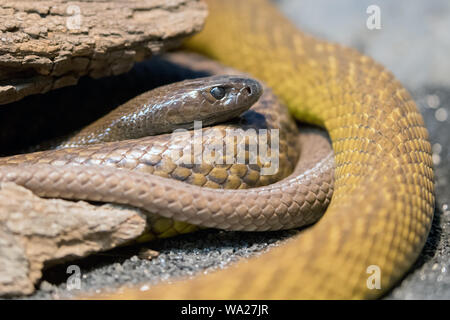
249	90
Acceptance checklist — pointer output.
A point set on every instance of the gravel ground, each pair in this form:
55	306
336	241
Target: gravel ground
413	42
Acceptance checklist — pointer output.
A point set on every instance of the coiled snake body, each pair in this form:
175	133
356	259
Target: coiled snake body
89	164
383	200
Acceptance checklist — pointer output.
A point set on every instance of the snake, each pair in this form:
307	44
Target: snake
382	205
84	165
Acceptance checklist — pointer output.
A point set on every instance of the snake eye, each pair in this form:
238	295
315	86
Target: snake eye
218	92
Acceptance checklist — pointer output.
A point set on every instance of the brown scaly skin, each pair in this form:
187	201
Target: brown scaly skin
171	107
95	172
382	207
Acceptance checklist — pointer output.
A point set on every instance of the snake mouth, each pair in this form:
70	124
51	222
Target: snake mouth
218	117
225	115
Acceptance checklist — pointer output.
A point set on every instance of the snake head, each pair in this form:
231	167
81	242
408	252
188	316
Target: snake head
211	100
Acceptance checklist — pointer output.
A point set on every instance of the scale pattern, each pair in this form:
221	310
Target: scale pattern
381	211
136	171
383	203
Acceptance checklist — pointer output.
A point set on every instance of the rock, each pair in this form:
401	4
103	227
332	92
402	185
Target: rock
36	231
46	45
46	286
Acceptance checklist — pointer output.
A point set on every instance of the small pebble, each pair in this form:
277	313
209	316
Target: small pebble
441	114
148	254
433	101
46	286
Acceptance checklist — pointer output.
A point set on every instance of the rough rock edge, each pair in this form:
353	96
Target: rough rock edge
42	48
35	232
